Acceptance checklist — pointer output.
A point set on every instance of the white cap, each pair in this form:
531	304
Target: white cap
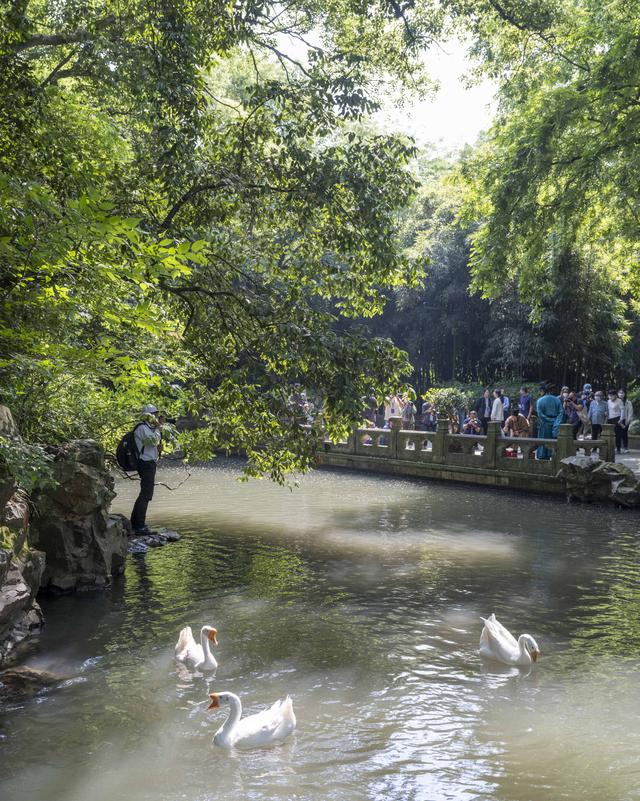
150	409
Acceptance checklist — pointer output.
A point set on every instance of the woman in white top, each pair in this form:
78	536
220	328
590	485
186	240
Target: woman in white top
497	410
393	407
626	416
615	407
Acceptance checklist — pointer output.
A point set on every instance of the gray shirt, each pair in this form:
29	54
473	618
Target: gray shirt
147	441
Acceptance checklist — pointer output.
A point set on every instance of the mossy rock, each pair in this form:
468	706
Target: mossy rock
14	542
8	539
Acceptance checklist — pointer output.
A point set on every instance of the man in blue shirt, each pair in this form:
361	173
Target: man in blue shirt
472	425
505	403
525	402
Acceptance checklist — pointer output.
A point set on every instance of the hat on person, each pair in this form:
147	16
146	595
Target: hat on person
586	388
150	409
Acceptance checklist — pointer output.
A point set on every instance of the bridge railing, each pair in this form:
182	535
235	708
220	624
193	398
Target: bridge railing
493	451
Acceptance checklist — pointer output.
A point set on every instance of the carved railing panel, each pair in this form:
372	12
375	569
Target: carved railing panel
597	448
465	449
415	445
373	442
521	454
517	455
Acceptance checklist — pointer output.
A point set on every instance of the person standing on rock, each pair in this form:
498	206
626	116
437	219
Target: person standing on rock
148	437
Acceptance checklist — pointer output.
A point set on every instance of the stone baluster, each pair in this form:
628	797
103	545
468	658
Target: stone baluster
395	425
439	447
491	445
609	437
353	440
566	444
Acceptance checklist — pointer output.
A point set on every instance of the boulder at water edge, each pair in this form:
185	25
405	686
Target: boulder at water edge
84	545
589	480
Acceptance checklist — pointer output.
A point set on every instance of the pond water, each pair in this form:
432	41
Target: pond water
361	597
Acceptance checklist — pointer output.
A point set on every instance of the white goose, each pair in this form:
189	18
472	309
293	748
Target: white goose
197	656
263	728
498	643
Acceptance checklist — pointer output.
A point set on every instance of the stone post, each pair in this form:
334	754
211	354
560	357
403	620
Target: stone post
491	444
395	425
353	440
609	437
566	445
439	451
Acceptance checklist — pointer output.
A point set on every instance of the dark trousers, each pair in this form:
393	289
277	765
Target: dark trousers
147	473
622	436
595	431
485	424
614	422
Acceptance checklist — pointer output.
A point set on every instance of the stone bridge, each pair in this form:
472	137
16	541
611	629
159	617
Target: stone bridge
492	460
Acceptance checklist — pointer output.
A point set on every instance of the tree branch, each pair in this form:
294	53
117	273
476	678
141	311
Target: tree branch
62	38
505	16
188	195
200	188
55	74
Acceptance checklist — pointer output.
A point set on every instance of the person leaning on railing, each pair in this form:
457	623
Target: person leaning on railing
516	424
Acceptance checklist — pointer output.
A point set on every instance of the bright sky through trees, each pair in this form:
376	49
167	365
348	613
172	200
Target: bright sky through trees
455	113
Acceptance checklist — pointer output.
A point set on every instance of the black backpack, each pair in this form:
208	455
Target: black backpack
127	455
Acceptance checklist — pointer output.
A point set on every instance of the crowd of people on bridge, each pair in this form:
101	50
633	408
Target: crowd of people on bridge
585	410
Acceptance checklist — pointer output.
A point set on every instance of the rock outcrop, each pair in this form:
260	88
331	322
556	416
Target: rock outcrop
20	684
20	565
83	544
591	480
141	544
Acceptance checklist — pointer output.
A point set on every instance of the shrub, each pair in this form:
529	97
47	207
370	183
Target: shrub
447	400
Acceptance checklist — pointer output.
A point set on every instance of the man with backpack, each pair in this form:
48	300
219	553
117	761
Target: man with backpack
147	437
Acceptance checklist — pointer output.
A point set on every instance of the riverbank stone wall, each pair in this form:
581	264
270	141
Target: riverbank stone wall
84	545
21	565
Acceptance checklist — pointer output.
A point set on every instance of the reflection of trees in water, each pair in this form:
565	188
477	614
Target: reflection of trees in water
357	569
606	619
276	573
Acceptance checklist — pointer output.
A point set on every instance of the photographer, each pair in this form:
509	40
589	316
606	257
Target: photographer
472	425
148	438
571	409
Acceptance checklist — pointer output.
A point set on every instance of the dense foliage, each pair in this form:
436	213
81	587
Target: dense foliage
185	213
556	178
191	212
534	254
581	326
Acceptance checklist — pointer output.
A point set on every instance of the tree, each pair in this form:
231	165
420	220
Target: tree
579	328
186	216
558	171
439	322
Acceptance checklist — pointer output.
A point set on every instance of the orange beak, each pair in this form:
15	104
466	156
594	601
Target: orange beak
213	636
215	701
535	655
